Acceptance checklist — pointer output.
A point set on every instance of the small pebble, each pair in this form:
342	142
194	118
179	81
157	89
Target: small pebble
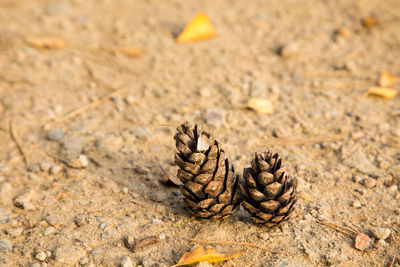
158	196
80	162
264	236
55	135
23	200
4	245
369	182
33	177
215	117
130	100
55	169
126	262
102	226
15	231
96	251
41	256
380	233
36	265
203	264
81	219
34	168
83	261
55	221
45	166
356	204
363	242
125	190
290	49
49	231
4	215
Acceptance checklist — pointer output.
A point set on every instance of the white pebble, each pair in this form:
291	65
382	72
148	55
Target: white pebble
41	256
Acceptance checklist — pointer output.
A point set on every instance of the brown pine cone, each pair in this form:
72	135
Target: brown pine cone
268	192
208	177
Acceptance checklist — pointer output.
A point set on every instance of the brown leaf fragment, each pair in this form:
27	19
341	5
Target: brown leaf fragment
46	42
146	242
201	253
386	79
363	242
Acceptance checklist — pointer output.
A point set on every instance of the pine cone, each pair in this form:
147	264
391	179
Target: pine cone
268	192
208	177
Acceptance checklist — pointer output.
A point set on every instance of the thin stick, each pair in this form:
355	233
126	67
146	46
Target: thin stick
14	138
88	106
229	243
339	228
314	140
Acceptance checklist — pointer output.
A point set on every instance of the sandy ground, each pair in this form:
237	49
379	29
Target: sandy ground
342	146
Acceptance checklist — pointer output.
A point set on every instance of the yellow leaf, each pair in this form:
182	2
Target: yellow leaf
383	92
369	22
130	51
200	28
206	254
261	105
386	79
46	42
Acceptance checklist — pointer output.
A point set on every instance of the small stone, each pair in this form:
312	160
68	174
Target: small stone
96	251
55	135
102	226
4	245
45	166
49	231
260	105
158	196
124	190
68	255
351	66
380	233
130	100
23	200
80	162
369	182
41	256
381	243
83	261
157	221
55	169
289	50
363	242
264	236
357	178
15	231
105	235
392	189
34	168
356	204
4	215
33	177
5	193
285	264
129	242
126	262
55	221
36	265
215	117
81	219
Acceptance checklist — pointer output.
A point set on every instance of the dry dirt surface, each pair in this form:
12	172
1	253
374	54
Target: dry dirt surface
83	169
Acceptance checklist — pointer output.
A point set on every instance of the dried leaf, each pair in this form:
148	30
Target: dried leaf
369	22
200	28
129	51
46	42
206	254
363	242
386	79
387	93
262	106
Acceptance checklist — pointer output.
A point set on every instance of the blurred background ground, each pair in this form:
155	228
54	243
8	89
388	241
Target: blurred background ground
312	59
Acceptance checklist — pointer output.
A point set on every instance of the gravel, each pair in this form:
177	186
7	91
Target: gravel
5	245
381	233
126	262
55	135
41	256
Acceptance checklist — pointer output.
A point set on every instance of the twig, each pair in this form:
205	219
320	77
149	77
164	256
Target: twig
198	232
341	229
314	140
88	106
395	246
14	138
222	242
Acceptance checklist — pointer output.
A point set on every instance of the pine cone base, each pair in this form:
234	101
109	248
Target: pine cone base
268	192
